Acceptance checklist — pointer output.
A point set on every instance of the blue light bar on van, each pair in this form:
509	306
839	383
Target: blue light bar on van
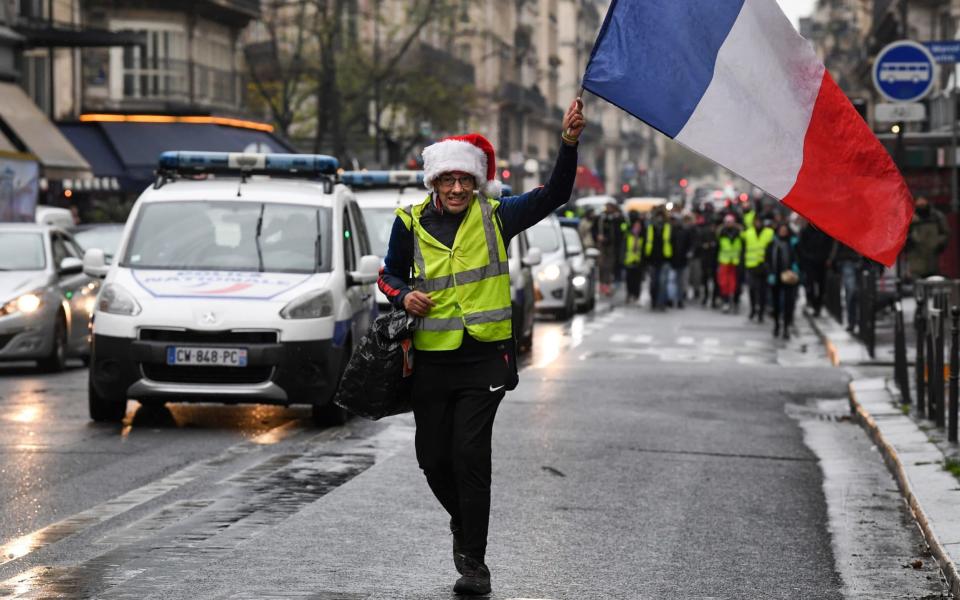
382	178
248	162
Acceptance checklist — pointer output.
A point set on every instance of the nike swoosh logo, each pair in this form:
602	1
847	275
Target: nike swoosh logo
494	389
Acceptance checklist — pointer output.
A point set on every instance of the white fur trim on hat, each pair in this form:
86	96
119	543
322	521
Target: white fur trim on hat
453	155
492	189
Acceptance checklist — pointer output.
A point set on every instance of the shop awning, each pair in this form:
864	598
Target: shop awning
37	135
128	151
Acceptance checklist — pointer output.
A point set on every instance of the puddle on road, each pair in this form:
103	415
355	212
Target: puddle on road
875	540
162	549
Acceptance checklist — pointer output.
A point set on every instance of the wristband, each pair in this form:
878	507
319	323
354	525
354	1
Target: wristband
568	139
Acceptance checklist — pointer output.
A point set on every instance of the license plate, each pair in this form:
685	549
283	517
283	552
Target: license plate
210	357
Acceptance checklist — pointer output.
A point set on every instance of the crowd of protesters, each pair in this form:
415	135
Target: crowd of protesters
754	249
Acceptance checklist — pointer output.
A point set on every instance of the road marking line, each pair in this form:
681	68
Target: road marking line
711	342
619	338
686	341
643	339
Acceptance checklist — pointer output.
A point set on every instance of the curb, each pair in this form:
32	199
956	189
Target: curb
892	460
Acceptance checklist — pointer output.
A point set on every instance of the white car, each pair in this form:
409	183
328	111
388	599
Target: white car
233	288
583	262
555	272
380	193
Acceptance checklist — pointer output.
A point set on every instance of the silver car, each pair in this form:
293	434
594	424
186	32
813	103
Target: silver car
555	272
45	299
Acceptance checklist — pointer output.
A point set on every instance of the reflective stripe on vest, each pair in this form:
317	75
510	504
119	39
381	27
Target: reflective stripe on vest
634	252
667	245
468	282
756	246
729	253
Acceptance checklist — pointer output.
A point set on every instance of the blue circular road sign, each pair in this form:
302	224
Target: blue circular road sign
904	71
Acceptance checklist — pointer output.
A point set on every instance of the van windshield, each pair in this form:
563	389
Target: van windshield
230	236
543	235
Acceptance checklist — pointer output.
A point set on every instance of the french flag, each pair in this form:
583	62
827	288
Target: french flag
734	81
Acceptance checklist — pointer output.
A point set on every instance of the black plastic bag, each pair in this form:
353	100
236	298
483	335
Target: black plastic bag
378	379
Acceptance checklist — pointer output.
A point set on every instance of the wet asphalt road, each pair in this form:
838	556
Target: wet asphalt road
643	456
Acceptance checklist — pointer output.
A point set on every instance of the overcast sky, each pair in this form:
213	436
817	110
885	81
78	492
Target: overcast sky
796	8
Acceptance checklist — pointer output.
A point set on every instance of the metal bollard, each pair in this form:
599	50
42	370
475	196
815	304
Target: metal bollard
900	369
954	368
920	325
940	415
933	316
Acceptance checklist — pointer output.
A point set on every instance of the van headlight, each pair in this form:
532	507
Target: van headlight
314	305
117	301
26	304
550	273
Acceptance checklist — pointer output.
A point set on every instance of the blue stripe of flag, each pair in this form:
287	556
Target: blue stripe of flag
655	58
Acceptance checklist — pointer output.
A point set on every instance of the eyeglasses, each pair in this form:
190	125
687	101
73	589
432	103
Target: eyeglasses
448	181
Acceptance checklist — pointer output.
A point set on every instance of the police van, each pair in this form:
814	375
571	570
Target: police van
239	278
380	193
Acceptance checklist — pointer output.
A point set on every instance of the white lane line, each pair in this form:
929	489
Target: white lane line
619	338
711	342
25	544
686	341
642	339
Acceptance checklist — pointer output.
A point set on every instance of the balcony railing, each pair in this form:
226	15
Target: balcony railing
166	81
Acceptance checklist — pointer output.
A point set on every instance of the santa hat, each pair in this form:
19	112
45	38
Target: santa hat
471	153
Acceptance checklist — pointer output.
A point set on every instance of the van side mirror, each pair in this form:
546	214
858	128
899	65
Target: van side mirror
95	263
70	266
592	253
368	271
533	258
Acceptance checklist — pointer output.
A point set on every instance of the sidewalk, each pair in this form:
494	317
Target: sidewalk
914	450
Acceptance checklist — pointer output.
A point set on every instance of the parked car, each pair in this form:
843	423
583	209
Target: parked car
46	299
53	216
584	265
380	193
555	272
233	289
105	236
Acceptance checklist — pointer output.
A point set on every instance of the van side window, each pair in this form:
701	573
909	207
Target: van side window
349	256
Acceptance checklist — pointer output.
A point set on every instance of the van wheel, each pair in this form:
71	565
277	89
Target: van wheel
104	410
329	414
57	359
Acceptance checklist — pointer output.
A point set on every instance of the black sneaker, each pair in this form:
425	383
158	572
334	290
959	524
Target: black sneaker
457	542
475	580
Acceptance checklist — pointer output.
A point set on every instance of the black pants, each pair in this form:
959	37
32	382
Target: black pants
814	280
454	407
757	280
784	300
634	281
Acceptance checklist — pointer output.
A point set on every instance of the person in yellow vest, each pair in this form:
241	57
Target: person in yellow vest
446	264
755	242
657	252
729	249
633	260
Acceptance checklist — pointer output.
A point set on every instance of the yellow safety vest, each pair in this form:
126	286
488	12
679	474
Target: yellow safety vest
469	282
634	251
729	253
667	245
749	217
756	246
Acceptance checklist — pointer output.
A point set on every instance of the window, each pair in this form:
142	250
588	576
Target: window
362	237
60	249
349	255
230	236
159	69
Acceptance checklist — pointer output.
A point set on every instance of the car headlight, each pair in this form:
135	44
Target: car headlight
26	304
118	301
550	273
309	306
579	281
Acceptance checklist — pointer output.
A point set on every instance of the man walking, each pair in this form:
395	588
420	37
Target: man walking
927	239
729	249
609	240
756	238
657	252
632	261
813	250
454	244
